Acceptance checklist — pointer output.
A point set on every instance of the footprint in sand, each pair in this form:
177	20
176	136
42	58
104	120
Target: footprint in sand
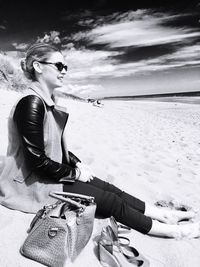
183	145
114	163
152	179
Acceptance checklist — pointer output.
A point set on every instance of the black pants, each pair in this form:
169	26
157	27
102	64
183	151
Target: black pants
111	201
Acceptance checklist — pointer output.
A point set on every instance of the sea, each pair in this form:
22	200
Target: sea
178	99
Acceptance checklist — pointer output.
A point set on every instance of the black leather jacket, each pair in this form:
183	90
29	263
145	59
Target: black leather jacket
29	115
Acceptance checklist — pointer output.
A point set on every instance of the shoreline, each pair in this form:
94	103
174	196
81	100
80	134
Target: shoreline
175	99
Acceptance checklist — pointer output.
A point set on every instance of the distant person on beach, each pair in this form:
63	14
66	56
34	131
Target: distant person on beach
97	103
38	160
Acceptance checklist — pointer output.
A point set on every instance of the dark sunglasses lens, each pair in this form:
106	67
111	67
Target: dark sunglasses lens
61	66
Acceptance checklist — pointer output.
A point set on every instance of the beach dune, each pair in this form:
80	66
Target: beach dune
149	149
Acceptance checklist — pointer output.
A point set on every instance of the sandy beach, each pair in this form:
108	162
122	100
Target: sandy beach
149	149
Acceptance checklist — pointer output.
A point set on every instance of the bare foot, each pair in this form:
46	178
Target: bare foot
177	231
191	230
175	216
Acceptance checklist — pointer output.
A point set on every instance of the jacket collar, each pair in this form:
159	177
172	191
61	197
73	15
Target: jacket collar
39	90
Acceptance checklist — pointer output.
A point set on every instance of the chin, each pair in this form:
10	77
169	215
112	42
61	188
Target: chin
59	84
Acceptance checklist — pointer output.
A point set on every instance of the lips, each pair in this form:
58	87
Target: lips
60	78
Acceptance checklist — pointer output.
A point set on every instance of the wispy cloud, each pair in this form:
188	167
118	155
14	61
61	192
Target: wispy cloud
136	28
138	34
187	53
52	36
2	27
21	46
82	89
139	28
84	63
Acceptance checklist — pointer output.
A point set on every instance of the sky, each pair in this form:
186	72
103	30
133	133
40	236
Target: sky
112	48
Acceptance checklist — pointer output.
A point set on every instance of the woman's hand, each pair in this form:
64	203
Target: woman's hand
86	174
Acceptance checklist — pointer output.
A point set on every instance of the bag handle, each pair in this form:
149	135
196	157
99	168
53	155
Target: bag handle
89	198
60	196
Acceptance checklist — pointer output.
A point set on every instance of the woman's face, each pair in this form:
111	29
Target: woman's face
51	75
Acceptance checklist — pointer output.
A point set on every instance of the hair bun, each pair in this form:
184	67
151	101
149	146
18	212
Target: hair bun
23	64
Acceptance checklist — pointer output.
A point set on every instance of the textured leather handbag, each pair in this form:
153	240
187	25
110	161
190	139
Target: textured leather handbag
60	231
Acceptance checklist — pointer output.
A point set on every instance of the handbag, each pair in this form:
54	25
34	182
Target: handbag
60	231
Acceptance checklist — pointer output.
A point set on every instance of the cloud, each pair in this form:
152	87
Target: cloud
85	63
52	36
134	28
81	15
146	66
82	89
139	28
86	22
2	27
21	46
187	53
68	46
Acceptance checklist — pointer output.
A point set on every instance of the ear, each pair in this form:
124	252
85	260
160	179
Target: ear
37	67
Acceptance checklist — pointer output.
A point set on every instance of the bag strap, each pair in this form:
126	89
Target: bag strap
36	218
60	196
84	197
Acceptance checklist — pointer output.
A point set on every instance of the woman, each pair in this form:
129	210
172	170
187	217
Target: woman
38	160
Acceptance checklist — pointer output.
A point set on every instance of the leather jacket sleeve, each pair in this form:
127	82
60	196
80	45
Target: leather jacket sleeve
29	116
73	159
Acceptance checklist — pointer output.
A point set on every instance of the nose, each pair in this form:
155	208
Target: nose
63	71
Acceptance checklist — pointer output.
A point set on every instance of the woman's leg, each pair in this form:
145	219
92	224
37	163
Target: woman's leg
110	204
161	214
134	202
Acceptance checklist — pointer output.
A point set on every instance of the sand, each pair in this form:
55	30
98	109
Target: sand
149	149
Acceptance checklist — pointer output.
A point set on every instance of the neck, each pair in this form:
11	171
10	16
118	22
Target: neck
42	89
48	90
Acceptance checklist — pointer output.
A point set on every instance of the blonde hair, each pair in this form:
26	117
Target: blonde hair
36	52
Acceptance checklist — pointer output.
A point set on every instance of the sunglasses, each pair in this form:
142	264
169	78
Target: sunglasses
59	65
